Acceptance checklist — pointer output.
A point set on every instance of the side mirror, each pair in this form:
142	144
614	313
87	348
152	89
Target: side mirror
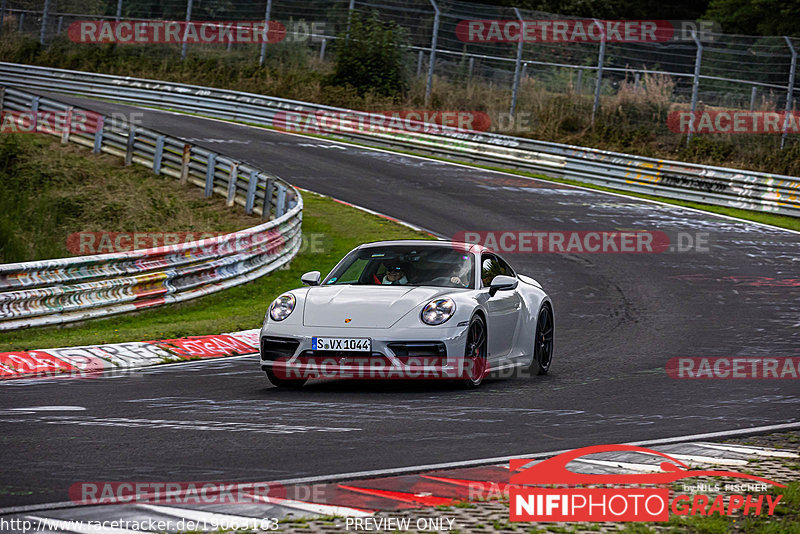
310	278
502	283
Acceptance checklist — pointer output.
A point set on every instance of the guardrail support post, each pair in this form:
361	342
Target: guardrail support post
579	82
789	91
267	209
211	171
517	65
35	114
322	48
263	53
67	127
695	83
232	177
98	135
187	157
184	45
159	153
129	146
21	22
251	192
753	91
43	29
60	25
349	17
420	55
119	11
600	59
432	60
280	208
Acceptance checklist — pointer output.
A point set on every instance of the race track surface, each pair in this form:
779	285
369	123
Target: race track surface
619	318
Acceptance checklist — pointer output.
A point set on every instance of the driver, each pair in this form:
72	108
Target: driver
395	275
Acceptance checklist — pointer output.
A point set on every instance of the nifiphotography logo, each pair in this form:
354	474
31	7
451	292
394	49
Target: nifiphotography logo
626	504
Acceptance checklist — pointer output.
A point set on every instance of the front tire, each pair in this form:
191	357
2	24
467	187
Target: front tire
543	341
289	383
475	353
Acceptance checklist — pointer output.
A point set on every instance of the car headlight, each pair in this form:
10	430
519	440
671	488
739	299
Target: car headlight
282	307
438	311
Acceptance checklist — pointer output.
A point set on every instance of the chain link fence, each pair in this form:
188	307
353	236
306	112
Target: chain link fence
696	70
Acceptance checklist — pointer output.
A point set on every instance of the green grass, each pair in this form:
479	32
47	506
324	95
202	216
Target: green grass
50	191
238	308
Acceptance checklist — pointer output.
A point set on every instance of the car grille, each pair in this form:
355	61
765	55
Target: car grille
273	348
343	356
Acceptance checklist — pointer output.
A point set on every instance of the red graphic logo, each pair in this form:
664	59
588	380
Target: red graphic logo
620	504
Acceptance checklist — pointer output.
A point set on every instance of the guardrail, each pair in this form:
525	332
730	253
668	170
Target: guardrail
72	289
683	181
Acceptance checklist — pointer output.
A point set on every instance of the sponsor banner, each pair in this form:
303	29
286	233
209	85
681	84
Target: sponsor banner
733	121
173	31
734	368
412	121
92	361
206	346
49	122
160	492
568	242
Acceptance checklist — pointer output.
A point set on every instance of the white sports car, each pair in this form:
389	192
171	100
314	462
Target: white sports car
409	309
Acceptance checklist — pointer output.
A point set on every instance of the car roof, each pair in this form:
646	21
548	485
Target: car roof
427	243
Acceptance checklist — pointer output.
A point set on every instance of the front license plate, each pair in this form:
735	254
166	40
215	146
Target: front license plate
348	344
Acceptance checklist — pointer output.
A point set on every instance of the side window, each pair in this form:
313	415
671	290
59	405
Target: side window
490	268
353	273
506	268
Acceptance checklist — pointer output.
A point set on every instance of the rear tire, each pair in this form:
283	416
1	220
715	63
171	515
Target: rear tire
289	383
543	341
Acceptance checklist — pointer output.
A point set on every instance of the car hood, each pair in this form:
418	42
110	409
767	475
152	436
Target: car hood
365	306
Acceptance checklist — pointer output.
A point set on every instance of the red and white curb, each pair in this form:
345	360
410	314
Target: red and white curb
97	359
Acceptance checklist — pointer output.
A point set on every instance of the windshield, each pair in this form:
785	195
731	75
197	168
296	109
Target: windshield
405	265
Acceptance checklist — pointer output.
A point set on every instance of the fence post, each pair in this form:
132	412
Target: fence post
158	155
600	59
349	16
119	11
517	65
2	99
267	209
129	146
184	45
98	135
263	54
211	171
579	83
322	48
753	97
2	14
60	25
67	127
233	176
789	91
251	192
432	62
21	22
419	63
43	29
695	83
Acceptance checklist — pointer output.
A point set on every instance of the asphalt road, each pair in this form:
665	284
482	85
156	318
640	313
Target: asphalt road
619	318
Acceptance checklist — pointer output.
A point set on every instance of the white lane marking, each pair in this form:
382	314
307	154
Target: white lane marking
649	468
505	173
695	459
49	409
321	509
759	451
209	518
81	527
